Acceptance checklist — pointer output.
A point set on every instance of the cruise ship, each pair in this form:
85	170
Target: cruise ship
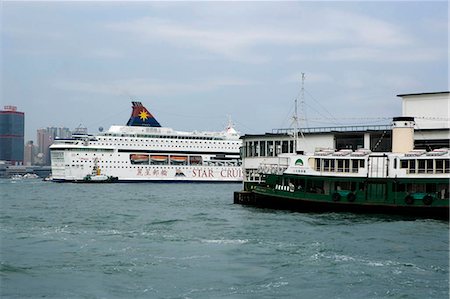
143	150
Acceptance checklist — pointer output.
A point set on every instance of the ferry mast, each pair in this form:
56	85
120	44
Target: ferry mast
295	117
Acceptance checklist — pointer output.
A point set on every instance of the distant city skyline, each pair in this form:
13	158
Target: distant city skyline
193	64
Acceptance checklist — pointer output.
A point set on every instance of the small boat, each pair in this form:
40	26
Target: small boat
101	178
30	176
15	177
48	178
97	177
25	176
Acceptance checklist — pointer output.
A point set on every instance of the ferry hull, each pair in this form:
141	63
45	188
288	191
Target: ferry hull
278	201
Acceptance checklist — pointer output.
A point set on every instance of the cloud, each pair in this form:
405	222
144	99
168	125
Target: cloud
149	86
365	30
385	55
243	41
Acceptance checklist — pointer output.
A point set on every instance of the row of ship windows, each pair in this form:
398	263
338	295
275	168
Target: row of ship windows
162	137
338	165
426	166
118	162
158	145
178	141
134	167
200	163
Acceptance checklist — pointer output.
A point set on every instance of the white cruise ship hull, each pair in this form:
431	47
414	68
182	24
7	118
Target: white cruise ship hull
166	174
68	166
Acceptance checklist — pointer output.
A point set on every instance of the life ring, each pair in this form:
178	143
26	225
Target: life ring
351	197
427	199
336	197
409	200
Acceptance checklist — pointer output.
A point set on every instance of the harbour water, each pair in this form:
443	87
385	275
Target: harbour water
191	241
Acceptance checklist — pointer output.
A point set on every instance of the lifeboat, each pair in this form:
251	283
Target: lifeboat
139	158
178	159
159	158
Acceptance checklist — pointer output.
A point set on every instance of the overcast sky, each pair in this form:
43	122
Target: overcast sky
193	64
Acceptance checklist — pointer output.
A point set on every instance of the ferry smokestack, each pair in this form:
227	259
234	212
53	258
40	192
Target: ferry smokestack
402	134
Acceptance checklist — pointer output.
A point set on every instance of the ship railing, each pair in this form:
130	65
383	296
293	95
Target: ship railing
271	169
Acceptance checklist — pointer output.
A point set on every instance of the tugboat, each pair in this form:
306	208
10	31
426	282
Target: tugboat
97	177
404	181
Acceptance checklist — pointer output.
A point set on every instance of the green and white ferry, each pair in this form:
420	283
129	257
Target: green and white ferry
404	181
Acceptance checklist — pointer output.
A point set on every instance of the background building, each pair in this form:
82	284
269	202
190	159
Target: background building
431	115
45	138
12	127
30	153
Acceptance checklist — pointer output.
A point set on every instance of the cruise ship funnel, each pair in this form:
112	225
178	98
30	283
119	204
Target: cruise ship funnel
140	117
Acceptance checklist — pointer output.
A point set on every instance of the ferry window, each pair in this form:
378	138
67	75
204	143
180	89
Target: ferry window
277	148
285	147
326	164
346	165
313	186
270	150
447	166
250	149
443	191
332	165
340	165
262	148
421	164
430	167
355	165
403	163
430	188
439	166
398	187
291	146
412	166
318	164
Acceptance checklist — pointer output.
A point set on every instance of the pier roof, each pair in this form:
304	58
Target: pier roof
422	93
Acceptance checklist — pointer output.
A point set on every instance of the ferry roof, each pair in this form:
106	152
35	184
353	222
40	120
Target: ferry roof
422	94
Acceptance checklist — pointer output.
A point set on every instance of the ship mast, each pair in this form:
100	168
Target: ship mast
295	117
